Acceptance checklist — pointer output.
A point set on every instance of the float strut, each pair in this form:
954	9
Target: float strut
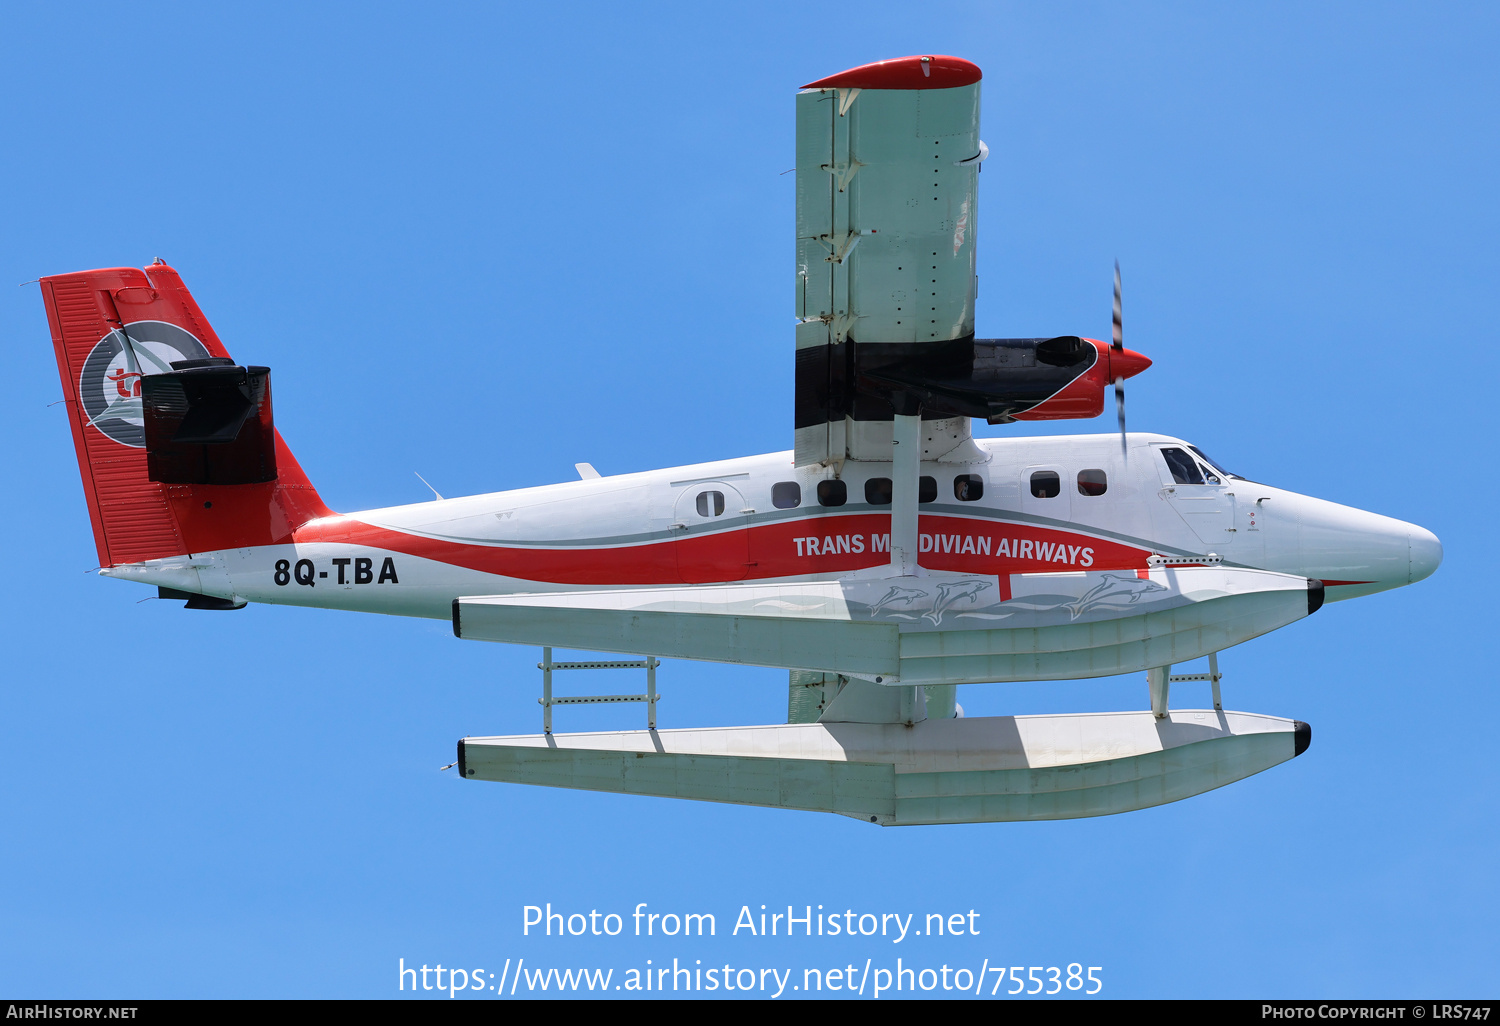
1157	679
546	690
1213	676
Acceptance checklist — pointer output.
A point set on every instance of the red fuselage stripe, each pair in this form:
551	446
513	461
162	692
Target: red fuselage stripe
821	546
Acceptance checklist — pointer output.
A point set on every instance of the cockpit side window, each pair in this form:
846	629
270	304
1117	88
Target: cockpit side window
1183	467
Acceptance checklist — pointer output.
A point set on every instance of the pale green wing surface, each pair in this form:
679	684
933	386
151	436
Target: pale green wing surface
886	219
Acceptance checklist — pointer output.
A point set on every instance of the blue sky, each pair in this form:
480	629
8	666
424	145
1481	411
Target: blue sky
485	242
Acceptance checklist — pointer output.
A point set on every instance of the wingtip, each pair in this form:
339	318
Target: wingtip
920	71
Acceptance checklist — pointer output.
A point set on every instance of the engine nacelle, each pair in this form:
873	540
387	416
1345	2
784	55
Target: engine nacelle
999	380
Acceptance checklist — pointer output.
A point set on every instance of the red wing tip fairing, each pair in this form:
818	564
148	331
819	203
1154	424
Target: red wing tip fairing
926	71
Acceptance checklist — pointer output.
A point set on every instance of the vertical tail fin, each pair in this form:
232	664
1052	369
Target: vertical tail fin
110	329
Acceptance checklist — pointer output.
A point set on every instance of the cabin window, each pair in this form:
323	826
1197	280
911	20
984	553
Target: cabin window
878	490
1183	467
710	504
1092	482
968	487
1046	484
786	495
832	493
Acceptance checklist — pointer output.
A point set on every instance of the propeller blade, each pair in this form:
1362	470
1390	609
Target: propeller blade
1119	337
1120	408
1118	345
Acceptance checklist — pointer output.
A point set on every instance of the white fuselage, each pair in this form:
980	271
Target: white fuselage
1045	504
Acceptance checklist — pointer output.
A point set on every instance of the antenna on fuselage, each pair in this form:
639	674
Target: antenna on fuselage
435	494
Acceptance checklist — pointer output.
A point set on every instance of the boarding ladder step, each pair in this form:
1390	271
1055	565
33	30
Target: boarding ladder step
1162	678
547	701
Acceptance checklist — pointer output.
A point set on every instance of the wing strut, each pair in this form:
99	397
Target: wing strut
906	469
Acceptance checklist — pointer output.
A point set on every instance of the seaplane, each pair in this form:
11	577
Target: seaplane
885	560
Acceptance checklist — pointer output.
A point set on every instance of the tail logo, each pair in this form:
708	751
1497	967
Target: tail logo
110	386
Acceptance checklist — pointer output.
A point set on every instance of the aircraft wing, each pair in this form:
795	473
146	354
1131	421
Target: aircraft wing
887	158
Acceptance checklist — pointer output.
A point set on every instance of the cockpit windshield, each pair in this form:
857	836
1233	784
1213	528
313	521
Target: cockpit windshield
1212	464
1184	470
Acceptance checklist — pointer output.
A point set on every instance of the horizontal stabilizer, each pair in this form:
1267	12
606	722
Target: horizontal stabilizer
974	770
941	628
209	423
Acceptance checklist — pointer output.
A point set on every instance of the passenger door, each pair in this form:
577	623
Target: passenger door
1046	492
713	542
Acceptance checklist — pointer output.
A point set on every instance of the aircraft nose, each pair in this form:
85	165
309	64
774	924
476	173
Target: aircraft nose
1351	551
1426	553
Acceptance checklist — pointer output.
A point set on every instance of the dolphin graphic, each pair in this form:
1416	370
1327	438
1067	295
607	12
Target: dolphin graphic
121	409
139	360
951	592
898	594
1110	589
